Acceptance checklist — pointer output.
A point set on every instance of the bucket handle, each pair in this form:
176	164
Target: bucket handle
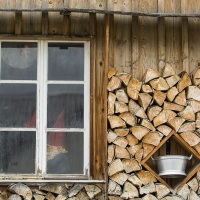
152	158
189	158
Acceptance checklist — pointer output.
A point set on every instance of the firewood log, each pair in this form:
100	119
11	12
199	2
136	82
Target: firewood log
184	191
114	198
139	154
149	197
172	106
41	197
193	92
196	76
189	126
119	178
116	121
146	123
135	180
111	153
111	103
112	72
144	100
148	148
129	191
193	184
198	120
132	140
122	96
121	141
124	77
114	188
131	165
139	131
133	88
159	97
135	109
168	70
172	93
181	99
191	138
193	196
153	111
161	190
133	149
153	138
176	123
195	105
111	136
149	188
120	107
115	167
159	84
163	117
150	75
79	196
114	83
92	191
164	129
184	82
121	131
14	197
187	113
147	89
146	177
172	80
121	152
129	118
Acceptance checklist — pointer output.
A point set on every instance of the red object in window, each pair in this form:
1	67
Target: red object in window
32	122
57	138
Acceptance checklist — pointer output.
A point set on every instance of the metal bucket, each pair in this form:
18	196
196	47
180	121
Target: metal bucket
171	166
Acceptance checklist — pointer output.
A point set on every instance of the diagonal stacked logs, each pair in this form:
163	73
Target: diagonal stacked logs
140	115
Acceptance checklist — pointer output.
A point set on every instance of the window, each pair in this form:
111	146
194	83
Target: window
44	108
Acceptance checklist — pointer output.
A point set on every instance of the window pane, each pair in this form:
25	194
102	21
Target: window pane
18	61
18	105
17	152
65	106
65	153
65	61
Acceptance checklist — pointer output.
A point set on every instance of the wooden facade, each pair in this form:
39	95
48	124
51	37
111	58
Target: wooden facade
128	42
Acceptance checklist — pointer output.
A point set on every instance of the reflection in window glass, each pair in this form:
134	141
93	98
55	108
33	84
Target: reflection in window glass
65	61
18	61
18	105
65	153
65	106
17	152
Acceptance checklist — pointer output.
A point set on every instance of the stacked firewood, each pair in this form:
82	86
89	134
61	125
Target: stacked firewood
140	115
53	191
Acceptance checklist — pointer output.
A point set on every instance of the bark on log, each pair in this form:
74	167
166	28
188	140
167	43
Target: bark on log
184	82
150	75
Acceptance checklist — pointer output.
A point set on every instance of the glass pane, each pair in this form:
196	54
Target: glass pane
65	107
17	152
18	105
65	61
65	153
18	61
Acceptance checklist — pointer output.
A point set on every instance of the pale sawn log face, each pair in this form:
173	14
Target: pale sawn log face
157	105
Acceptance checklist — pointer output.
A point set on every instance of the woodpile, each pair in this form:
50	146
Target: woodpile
142	113
53	191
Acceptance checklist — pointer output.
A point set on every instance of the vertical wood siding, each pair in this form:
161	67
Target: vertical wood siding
136	43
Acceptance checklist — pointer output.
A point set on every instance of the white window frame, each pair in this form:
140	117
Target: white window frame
41	108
